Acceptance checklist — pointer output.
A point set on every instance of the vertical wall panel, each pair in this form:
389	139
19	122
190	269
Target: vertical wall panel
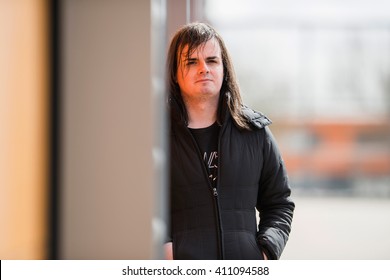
107	188
23	129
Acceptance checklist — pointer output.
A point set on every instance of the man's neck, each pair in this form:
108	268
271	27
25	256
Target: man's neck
201	114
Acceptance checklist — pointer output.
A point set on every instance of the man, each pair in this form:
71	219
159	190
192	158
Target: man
224	161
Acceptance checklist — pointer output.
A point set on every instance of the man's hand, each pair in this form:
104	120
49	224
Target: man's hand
168	251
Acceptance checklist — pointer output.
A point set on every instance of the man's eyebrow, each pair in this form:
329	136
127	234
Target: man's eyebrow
212	57
191	59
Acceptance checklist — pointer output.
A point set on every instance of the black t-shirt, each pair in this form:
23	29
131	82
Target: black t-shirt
207	140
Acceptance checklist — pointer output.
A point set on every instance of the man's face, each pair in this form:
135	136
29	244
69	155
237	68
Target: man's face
200	76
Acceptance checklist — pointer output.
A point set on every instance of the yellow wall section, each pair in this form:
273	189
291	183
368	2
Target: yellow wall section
23	129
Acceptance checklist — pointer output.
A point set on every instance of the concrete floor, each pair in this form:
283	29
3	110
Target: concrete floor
339	228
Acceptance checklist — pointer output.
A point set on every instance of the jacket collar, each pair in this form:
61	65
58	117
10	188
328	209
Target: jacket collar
256	119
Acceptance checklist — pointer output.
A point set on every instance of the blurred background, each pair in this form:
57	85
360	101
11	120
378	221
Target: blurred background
83	126
321	71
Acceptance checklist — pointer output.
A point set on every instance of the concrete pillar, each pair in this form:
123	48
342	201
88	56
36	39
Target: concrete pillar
112	151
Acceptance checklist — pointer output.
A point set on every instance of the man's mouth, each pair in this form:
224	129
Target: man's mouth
203	80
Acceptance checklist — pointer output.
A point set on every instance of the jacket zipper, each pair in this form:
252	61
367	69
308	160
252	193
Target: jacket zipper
214	191
220	228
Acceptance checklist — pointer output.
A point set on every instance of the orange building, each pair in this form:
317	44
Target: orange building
335	151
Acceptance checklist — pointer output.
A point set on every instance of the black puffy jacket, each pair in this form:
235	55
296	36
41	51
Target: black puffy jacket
220	223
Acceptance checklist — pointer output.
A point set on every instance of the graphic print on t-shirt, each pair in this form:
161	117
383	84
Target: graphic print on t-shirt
207	141
211	161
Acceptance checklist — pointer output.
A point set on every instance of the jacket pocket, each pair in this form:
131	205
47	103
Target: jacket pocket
242	245
252	240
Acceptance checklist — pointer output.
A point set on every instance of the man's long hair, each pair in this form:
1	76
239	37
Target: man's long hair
194	35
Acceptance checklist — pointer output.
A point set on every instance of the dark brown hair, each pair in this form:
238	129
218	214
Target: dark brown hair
194	35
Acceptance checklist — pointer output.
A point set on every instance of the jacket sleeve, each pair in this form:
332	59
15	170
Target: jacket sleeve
273	203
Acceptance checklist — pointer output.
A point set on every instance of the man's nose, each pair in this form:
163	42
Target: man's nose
203	68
